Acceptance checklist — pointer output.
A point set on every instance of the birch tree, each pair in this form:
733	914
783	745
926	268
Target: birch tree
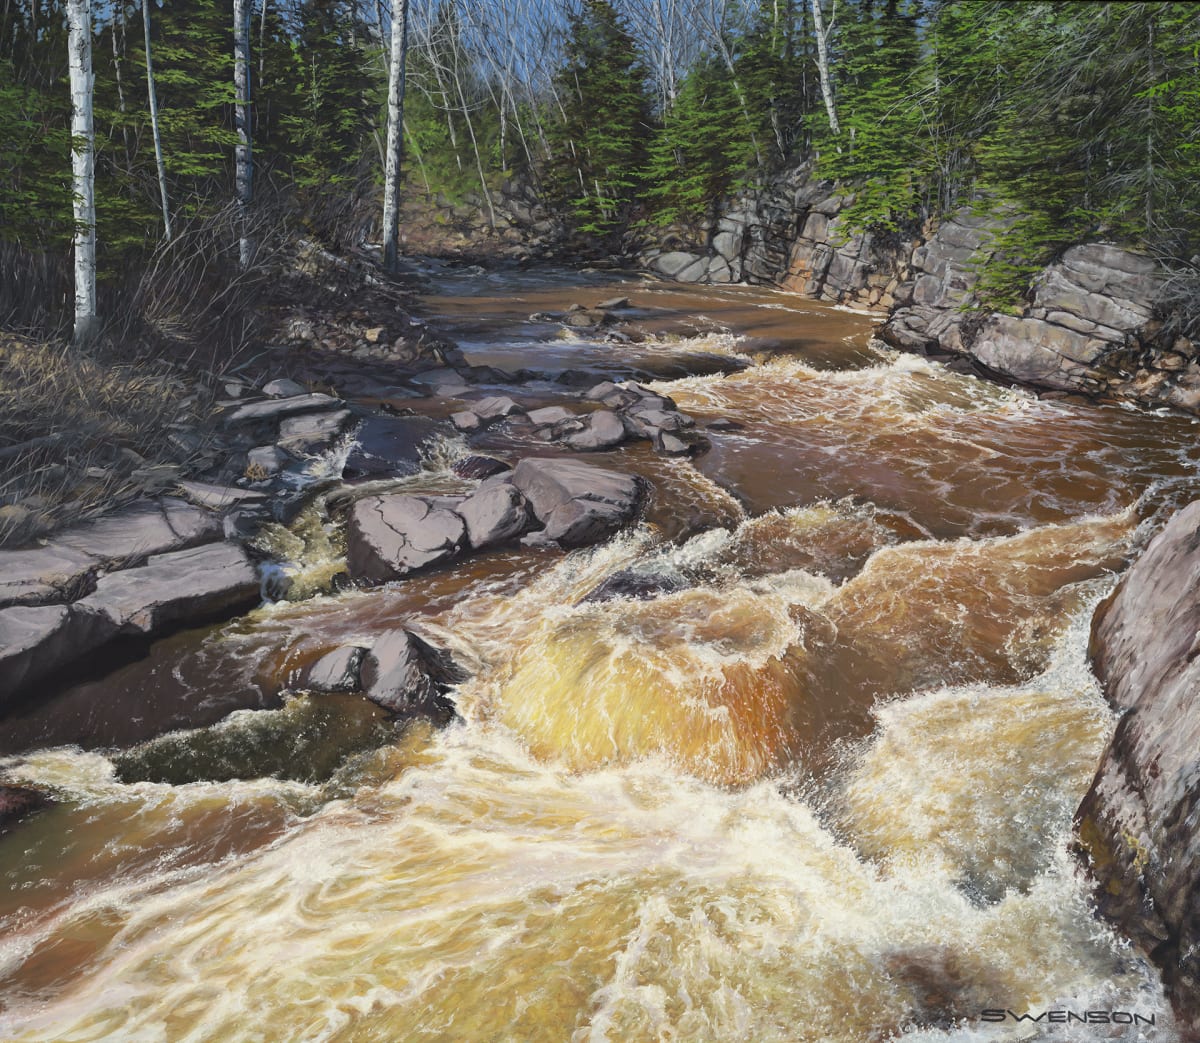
395	135
83	166
244	174
152	93
822	34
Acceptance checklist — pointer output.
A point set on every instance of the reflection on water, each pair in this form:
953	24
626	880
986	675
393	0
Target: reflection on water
794	759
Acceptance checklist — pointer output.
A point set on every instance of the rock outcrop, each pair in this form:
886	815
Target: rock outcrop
1139	825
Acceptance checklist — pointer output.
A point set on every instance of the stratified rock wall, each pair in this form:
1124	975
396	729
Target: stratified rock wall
1139	825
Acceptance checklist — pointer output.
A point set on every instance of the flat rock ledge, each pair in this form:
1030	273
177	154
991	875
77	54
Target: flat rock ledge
1139	824
559	501
168	590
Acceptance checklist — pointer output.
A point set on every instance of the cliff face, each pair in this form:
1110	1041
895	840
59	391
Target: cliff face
1139	825
1090	325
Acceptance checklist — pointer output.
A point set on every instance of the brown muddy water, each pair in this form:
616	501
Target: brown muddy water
819	788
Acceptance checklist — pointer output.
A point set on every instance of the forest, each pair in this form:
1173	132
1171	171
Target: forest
623	115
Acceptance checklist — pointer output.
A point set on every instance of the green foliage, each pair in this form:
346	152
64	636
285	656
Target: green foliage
601	141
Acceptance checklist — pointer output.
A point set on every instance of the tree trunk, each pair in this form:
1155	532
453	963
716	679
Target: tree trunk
83	166
244	176
395	136
822	36
152	92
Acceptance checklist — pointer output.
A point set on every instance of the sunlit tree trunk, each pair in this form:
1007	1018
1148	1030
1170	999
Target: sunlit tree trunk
395	135
244	175
152	92
822	35
83	166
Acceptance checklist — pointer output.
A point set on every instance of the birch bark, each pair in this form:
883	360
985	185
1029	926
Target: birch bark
83	166
822	35
244	173
395	135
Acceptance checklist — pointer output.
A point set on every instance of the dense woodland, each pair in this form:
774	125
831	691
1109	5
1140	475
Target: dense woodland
1077	118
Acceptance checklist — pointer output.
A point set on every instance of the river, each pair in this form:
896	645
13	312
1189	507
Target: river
819	787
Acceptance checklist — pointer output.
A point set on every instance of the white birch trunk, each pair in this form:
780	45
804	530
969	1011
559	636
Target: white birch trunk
244	174
83	166
395	135
152	92
823	66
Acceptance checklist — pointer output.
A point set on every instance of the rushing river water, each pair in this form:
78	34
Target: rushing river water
818	788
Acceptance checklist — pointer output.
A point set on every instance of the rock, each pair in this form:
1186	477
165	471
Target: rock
496	407
156	479
277	409
124	537
393	536
664	419
638	586
312	432
183	587
36	641
673	444
408	676
585	318
673	263
577	503
283	388
1139	824
18	801
336	671
478	467
613	303
375	334
466	420
597	393
218	497
264	461
549	415
602	430
390	445
494	514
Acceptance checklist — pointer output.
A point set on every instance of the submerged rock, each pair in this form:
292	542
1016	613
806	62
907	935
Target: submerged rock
18	801
1139	825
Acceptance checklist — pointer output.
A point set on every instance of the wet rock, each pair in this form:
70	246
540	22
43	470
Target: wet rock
495	407
613	304
314	432
679	443
277	409
466	420
494	514
406	675
578	503
393	536
391	445
724	424
549	415
602	430
1139	824
479	467
585	318
35	641
663	419
18	801
183	587
336	671
282	387
638	586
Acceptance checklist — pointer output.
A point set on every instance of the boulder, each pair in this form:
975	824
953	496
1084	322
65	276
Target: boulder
673	263
613	303
1139	824
465	420
312	432
578	503
494	514
336	671
282	387
184	587
496	407
18	801
392	536
479	467
406	675
266	460
602	430
549	415
390	445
